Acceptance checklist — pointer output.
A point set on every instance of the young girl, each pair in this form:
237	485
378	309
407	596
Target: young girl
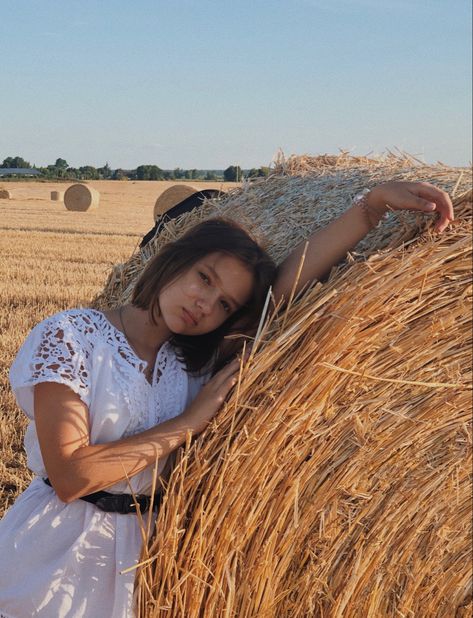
111	394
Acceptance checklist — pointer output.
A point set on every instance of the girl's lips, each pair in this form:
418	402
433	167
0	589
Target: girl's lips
189	318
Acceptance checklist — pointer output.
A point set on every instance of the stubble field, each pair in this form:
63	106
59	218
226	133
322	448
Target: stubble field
53	259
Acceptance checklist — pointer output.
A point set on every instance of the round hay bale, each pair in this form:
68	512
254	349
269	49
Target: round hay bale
57	196
5	195
171	197
336	479
300	197
81	197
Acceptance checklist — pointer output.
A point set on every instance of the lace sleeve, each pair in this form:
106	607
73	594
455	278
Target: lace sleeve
54	351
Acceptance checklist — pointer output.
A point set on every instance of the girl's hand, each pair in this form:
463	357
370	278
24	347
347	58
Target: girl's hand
211	397
420	196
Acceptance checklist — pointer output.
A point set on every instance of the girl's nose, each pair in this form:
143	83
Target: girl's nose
206	302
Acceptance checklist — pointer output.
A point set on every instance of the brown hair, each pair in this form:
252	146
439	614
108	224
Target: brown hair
214	235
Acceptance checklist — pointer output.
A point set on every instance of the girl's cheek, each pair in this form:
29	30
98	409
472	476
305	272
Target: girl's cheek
194	288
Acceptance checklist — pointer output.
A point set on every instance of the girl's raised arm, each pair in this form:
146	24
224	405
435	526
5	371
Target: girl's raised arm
326	247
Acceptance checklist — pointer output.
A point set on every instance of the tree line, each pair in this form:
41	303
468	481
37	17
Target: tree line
62	170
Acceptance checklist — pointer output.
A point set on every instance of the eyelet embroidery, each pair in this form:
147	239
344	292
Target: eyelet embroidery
68	352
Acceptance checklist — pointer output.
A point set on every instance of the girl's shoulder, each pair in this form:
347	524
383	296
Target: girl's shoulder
84	319
85	323
58	349
68	333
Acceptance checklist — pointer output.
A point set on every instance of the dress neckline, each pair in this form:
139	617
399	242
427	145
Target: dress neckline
122	340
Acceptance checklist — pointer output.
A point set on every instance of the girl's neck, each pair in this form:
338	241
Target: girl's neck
144	337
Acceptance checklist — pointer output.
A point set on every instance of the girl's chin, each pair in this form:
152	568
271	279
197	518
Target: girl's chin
179	327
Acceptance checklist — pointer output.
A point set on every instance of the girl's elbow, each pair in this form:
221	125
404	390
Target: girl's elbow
66	487
62	491
66	498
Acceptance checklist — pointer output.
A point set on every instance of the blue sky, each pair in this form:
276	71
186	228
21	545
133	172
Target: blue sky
209	83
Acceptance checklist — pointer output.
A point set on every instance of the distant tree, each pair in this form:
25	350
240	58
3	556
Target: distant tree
118	174
210	176
178	173
61	164
19	162
10	162
149	172
88	172
59	169
258	172
105	171
155	173
232	173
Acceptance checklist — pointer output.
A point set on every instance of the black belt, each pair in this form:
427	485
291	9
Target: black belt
119	503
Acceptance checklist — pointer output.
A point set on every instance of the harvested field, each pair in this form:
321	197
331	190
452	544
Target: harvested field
126	208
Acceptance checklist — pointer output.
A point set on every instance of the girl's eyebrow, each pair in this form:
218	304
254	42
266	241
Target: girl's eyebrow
214	274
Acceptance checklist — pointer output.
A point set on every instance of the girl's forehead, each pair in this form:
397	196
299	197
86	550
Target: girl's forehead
224	263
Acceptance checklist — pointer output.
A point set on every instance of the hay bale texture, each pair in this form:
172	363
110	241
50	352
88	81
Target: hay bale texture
336	480
57	196
171	197
5	194
81	198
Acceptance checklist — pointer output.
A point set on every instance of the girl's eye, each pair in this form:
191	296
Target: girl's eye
204	277
226	306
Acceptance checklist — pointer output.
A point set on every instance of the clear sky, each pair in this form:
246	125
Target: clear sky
209	83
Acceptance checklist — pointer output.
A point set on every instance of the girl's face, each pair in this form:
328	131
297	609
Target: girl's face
203	297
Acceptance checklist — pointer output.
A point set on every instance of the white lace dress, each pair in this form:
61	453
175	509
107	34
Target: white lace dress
62	560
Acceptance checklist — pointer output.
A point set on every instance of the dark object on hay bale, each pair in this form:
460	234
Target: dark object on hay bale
176	206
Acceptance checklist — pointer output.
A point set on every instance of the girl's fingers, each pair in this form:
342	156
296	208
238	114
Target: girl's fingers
229	384
418	203
229	370
423	197
442	201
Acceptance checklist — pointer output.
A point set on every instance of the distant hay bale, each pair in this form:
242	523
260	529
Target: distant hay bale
5	194
57	196
81	197
170	197
336	480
